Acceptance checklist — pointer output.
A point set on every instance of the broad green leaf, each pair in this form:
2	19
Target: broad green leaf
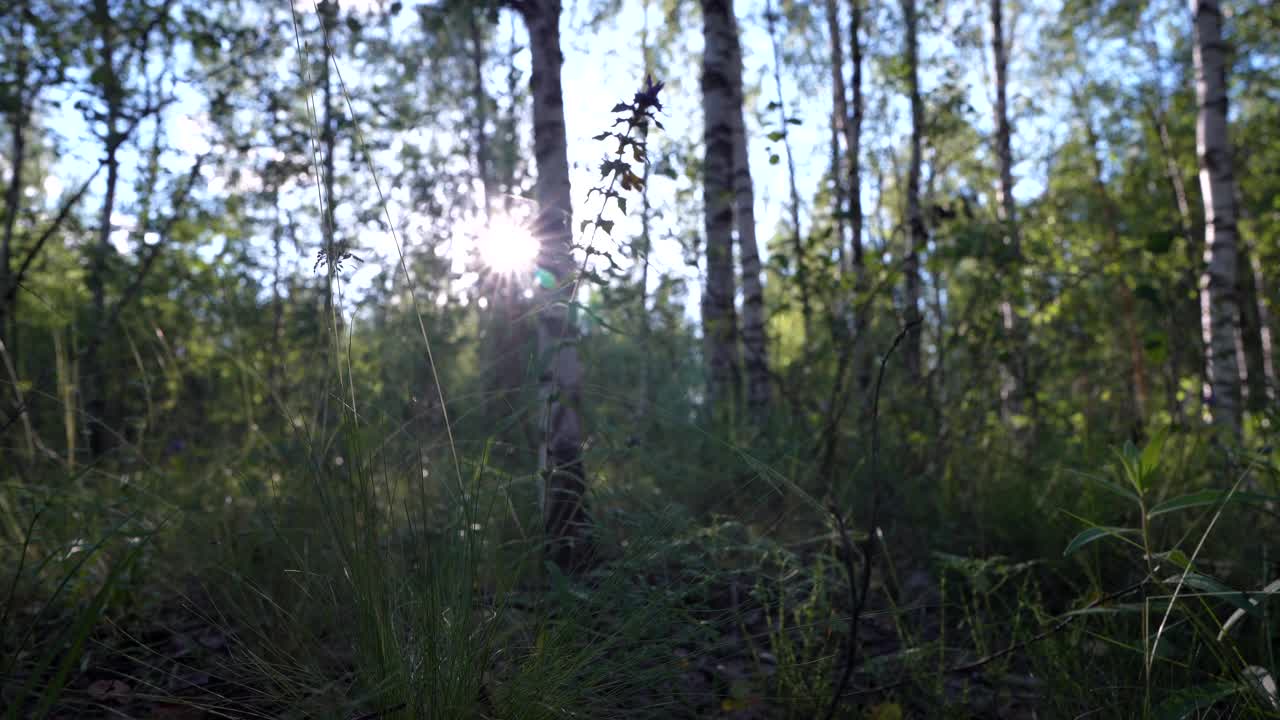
1118	608
1205	498
1175	556
1111	487
1092	534
1214	588
1150	458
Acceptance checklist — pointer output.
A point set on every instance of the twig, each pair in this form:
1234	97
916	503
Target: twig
858	593
376	714
179	199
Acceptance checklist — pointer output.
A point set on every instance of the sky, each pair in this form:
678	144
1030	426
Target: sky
603	65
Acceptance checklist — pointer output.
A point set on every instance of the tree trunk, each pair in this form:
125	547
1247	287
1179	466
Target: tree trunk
917	234
645	400
1012	385
275	368
797	237
480	118
1187	286
755	339
1266	338
18	119
1219	304
1128	310
565	519
1257	392
95	377
505	334
853	154
719	321
1255	321
328	12
839	118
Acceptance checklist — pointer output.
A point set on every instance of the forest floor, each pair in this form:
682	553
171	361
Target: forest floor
274	604
179	657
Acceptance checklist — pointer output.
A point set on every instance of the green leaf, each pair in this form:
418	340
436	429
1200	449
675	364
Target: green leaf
622	204
774	159
1152	605
595	317
1150	458
776	135
794	121
1111	487
1207	584
544	278
1092	534
1205	498
1156	344
1175	556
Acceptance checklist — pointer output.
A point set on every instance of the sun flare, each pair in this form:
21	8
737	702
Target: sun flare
508	247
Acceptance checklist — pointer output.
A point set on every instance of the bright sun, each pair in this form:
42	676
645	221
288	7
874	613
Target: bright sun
508	247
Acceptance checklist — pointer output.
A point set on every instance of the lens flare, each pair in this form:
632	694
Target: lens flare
507	247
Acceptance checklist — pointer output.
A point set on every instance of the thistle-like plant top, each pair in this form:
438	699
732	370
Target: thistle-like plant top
635	116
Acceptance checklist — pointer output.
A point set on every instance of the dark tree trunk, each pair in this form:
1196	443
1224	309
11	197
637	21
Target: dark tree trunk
719	105
917	233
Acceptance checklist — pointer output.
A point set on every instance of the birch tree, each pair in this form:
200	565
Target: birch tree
1012	386
853	158
720	106
1219	311
36	63
754	337
564	481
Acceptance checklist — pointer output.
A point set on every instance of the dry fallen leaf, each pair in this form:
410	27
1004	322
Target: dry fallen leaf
113	690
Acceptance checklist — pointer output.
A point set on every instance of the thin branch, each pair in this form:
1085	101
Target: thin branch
11	291
376	714
858	594
153	252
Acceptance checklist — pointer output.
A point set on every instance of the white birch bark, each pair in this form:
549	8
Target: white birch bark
754	336
565	519
1219	307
